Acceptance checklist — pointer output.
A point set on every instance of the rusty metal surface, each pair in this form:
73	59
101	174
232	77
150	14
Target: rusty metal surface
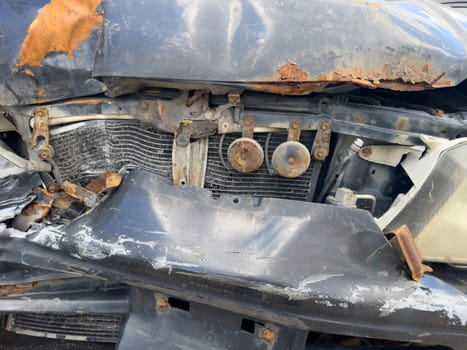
82	194
36	211
410	251
289	47
104	182
40	134
245	154
40	62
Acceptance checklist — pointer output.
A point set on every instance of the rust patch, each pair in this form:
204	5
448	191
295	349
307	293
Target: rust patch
29	72
41	92
40	208
401	76
288	88
402	124
84	102
245	155
268	335
61	26
83	195
17	289
291	72
104	182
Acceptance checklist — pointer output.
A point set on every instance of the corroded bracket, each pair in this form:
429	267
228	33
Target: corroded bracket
410	251
295	128
40	134
320	149
248	126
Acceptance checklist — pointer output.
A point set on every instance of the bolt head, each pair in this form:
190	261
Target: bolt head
268	335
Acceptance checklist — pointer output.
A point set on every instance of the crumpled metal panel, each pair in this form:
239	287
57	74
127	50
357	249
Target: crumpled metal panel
47	50
288	47
322	267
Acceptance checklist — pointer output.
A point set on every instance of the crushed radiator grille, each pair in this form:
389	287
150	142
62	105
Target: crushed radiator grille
90	328
87	149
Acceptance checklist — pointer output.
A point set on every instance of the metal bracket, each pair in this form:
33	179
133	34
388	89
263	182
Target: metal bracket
40	134
189	159
295	128
390	155
410	251
248	127
320	149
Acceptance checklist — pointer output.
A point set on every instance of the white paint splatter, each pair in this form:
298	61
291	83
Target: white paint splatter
452	306
48	236
93	248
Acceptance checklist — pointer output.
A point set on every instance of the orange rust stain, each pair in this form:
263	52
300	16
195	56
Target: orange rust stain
84	102
401	76
291	72
286	88
61	26
29	72
41	92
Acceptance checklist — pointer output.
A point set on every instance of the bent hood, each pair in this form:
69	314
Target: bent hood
287	47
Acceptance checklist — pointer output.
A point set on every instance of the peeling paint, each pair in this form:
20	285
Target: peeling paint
61	26
48	236
431	300
93	248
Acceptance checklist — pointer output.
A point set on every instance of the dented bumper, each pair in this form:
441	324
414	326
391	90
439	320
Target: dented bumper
294	266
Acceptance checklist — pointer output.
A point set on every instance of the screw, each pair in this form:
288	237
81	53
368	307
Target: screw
268	335
45	152
324	126
291	160
366	152
162	303
320	154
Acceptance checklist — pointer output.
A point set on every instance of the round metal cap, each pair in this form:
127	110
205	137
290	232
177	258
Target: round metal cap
245	155
291	159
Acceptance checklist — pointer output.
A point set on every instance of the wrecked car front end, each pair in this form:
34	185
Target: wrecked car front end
247	174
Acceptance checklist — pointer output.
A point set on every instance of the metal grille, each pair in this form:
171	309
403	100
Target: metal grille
260	183
90	328
86	150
